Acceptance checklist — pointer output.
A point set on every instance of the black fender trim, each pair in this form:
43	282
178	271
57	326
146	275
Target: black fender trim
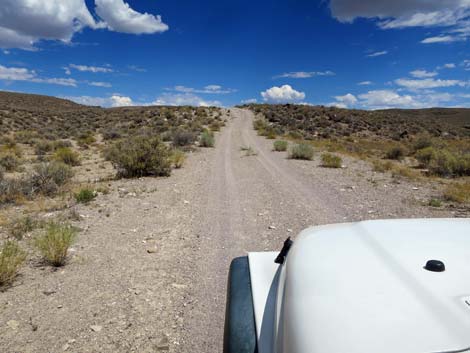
240	329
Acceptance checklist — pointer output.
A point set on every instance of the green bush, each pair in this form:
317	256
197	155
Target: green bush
11	258
280	146
259	124
301	151
9	162
421	142
425	156
207	139
55	242
67	156
140	156
396	153
85	195
329	160
443	164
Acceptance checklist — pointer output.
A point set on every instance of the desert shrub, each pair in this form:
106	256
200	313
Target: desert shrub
48	177
462	165
11	258
140	156
42	147
19	227
178	158
85	195
67	156
61	144
207	139
15	190
85	139
425	156
459	193
182	138
26	137
280	146
382	166
396	153
271	135
259	124
329	160
435	203
421	142
301	151
2	173
443	164
55	242
215	126
404	171
9	162
112	134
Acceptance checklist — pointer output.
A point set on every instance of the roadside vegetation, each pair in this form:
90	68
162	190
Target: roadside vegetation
57	157
430	145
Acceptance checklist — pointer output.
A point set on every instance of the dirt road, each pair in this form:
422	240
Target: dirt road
149	270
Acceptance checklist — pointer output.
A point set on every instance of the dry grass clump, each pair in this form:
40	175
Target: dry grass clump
55	242
396	153
207	139
9	162
280	146
458	192
329	160
301	151
140	156
11	259
67	155
85	195
249	151
178	158
21	226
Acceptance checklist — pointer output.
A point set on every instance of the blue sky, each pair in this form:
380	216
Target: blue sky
360	54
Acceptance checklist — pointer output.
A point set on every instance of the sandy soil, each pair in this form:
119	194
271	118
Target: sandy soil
149	269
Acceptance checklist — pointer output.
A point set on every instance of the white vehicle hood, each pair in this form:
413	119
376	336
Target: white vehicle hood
362	287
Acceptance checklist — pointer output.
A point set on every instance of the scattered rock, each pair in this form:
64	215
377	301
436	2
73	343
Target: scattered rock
163	344
152	250
96	328
272	227
49	292
289	230
186	202
13	324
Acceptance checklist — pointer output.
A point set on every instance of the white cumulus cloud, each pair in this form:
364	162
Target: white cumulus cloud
23	23
383	99
120	17
283	94
347	100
